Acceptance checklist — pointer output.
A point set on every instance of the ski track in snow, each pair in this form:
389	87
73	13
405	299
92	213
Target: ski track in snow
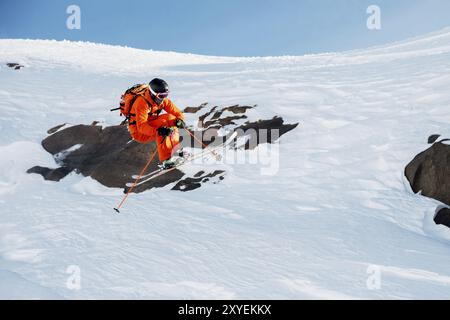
338	204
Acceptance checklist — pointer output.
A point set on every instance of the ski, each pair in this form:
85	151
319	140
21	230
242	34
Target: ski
159	172
148	175
205	151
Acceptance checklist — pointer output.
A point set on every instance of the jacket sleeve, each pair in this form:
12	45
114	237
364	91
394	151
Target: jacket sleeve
172	109
142	118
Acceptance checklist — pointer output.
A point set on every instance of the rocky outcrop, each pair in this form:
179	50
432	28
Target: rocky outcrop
15	66
51	174
443	217
267	131
433	138
257	132
429	172
195	109
195	182
108	155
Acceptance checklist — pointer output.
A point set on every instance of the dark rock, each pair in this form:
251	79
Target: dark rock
51	174
443	217
199	174
79	134
433	138
216	115
190	184
261	131
195	109
238	109
202	118
257	131
107	155
429	172
218	122
54	129
159	182
222	122
15	66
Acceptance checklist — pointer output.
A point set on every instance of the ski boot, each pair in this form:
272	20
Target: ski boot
167	164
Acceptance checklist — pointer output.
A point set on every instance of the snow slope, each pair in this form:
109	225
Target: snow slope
338	204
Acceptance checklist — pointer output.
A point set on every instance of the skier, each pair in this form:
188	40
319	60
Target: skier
147	124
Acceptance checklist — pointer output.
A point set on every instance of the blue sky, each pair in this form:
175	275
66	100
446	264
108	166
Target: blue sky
226	27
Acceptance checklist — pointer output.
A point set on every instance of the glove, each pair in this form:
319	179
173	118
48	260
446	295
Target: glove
180	124
164	131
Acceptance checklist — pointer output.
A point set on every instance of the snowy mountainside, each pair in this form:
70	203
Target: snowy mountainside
338	205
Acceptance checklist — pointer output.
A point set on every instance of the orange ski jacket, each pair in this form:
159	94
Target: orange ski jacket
145	118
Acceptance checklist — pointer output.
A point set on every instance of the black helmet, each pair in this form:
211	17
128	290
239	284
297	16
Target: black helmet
159	90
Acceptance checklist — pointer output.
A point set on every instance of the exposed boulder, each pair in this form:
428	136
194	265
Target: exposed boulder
237	109
257	132
54	129
433	138
190	184
51	174
108	155
443	217
429	172
195	109
264	131
15	66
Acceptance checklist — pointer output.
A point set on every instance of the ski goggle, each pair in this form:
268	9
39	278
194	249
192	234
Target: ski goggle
161	95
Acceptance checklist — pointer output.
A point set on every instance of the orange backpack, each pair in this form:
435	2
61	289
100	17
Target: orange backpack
129	98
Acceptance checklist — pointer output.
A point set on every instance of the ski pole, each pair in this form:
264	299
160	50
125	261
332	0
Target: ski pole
136	181
204	146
